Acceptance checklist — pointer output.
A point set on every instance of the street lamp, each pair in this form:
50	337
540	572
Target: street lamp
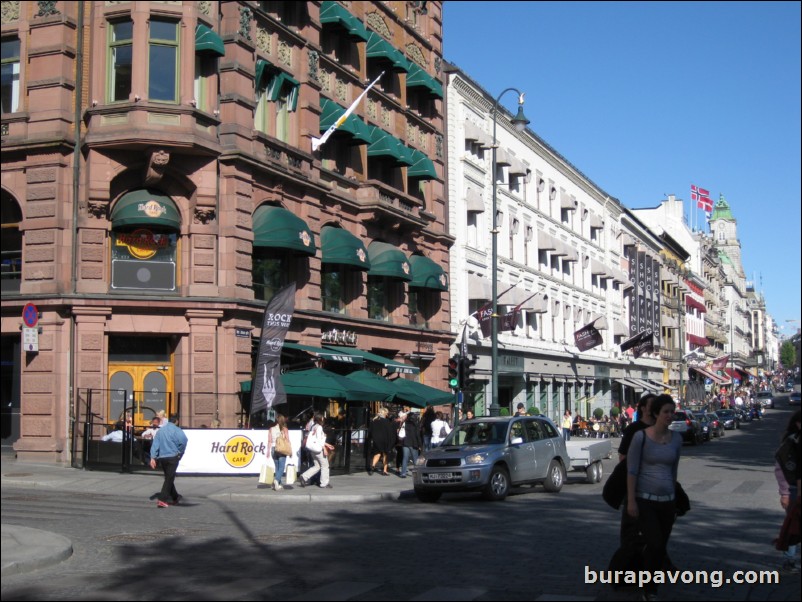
520	122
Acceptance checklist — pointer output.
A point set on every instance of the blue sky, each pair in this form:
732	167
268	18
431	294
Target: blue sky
647	98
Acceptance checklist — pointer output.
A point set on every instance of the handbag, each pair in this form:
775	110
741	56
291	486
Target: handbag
268	472
615	489
313	442
682	502
283	447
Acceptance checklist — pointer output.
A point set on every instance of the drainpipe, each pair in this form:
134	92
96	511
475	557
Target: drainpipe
76	174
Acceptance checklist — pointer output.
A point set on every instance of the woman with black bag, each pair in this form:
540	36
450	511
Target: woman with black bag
652	462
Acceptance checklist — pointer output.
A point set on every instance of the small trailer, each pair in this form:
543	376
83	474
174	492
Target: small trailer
586	454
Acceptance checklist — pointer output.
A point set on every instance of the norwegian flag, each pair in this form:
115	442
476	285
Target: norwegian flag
702	198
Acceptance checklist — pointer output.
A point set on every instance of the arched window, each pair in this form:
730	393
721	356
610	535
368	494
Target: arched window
11	258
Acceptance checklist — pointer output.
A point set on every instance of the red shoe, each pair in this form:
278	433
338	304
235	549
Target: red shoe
161	504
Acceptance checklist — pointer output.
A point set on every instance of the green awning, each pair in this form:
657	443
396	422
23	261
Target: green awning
317	382
341	247
422	167
391	365
279	228
418	78
383	144
378	47
208	41
333	12
273	80
432	396
407	155
326	354
330	112
374	380
387	260
427	274
145	207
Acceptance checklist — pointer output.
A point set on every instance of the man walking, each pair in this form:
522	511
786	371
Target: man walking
169	445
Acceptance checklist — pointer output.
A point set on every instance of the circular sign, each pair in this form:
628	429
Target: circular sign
30	315
239	451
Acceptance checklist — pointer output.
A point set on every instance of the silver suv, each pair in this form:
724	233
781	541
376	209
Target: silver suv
491	455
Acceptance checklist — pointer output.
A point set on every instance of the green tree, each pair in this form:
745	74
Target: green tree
788	355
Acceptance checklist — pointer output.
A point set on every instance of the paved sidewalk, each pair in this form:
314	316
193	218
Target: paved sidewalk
26	549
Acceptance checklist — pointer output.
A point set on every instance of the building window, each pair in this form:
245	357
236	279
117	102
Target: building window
143	258
10	76
204	70
332	288
275	100
269	270
121	36
163	61
11	240
383	293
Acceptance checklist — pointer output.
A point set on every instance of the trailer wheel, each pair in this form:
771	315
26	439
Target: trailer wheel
590	473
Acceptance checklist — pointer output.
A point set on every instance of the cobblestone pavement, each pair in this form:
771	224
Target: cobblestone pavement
227	543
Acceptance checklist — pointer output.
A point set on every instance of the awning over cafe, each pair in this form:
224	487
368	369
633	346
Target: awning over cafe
317	382
280	228
145	207
708	374
391	365
326	354
430	394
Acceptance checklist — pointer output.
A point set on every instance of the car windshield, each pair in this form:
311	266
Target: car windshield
764	394
726	413
477	433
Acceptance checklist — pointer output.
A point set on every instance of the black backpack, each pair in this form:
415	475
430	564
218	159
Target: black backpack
787	456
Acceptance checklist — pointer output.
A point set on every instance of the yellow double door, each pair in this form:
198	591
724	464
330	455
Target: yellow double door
144	389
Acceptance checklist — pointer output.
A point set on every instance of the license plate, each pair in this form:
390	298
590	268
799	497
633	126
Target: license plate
440	476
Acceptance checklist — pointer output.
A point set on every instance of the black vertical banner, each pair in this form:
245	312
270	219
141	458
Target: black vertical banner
649	293
633	299
657	318
267	390
641	292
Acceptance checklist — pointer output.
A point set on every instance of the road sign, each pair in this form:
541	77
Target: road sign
30	339
30	315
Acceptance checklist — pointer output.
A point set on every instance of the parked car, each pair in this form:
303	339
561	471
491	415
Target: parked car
716	425
704	424
687	424
729	418
491	455
765	399
793	399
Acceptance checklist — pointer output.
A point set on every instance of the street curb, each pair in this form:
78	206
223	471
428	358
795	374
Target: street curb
296	498
38	550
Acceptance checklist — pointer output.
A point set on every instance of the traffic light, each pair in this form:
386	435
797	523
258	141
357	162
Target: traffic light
466	371
454	371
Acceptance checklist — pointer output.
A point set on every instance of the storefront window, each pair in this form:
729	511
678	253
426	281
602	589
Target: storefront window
144	259
11	240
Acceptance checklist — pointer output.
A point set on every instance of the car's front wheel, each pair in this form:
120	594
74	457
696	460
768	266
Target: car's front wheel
555	477
427	497
498	486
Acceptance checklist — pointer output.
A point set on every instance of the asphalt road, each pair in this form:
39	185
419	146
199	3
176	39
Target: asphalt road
534	545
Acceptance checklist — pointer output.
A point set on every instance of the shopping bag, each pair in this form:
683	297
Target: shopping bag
290	474
268	471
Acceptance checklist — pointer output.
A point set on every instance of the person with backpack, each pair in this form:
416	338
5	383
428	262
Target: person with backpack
440	429
787	473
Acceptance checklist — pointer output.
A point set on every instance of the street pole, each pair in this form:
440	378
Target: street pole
520	122
680	320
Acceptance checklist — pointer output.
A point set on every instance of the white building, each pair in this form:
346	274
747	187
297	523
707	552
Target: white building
561	260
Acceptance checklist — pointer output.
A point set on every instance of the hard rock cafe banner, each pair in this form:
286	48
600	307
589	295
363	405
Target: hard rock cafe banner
268	391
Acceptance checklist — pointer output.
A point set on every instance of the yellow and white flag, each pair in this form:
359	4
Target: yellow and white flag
318	142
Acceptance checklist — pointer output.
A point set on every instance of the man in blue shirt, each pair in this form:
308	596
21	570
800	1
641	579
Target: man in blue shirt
169	445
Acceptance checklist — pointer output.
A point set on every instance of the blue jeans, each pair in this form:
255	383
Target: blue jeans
427	442
567	434
409	452
281	463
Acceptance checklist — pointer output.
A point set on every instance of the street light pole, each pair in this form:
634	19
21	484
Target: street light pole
520	122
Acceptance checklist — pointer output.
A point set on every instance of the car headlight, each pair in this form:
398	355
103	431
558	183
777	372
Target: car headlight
475	459
421	461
